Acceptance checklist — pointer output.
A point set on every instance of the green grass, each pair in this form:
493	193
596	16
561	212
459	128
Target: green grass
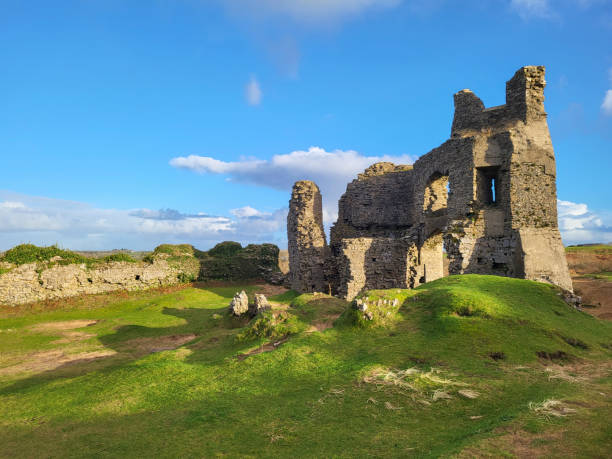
29	253
393	389
596	248
604	275
119	257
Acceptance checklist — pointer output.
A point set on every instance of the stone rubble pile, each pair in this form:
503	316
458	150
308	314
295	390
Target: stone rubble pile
239	304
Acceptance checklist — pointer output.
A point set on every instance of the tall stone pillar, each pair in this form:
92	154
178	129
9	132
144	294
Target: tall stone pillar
308	250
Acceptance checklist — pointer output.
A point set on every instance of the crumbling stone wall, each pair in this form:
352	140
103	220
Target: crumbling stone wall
308	251
167	265
487	196
38	282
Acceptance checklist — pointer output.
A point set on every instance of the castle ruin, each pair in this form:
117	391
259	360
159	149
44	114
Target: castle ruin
486	197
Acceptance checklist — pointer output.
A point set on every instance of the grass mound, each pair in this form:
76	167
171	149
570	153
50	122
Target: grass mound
30	253
374	308
496	317
177	250
271	325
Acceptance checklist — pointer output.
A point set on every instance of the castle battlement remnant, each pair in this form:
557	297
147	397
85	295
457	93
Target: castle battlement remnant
486	197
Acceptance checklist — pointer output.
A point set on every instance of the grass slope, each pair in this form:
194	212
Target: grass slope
464	366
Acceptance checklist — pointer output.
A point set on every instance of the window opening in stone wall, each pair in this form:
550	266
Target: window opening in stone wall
488	185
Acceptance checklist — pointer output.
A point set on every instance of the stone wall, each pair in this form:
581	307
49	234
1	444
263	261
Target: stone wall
308	249
37	282
487	196
60	277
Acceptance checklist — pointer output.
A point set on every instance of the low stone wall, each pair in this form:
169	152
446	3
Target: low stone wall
39	281
67	274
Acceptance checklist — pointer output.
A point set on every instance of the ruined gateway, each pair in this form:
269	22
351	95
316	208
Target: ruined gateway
487	197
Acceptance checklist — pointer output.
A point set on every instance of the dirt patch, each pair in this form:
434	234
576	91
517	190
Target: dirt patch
50	360
64	329
588	262
519	443
156	344
65	325
596	296
324	323
72	337
270	290
264	348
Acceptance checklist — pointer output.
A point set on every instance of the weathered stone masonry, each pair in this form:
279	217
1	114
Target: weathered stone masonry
308	250
487	196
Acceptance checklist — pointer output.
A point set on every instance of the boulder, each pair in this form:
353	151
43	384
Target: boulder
261	304
239	304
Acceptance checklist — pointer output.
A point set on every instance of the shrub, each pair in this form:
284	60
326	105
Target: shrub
29	253
225	249
119	257
175	250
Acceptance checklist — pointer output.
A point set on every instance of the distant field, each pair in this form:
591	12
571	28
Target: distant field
603	248
463	366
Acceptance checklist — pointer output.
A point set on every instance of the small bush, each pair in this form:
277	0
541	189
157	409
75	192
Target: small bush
186	278
119	257
175	250
225	249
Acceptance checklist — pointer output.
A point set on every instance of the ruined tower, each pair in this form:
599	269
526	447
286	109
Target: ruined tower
486	197
308	250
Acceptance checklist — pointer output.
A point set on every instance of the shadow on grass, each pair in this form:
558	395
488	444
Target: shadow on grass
208	332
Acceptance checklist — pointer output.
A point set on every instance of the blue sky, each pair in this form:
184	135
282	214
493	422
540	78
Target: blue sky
132	123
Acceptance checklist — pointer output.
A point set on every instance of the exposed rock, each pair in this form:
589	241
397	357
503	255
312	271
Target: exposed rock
260	304
239	304
571	299
487	197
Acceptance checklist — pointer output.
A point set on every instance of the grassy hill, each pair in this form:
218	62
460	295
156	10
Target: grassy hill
463	366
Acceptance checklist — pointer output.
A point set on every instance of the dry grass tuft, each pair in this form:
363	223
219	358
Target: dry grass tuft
424	386
440	395
550	407
558	372
467	393
389	406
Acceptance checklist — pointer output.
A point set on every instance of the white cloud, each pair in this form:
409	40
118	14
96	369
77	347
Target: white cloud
77	225
246	212
252	92
12	205
579	225
305	11
330	170
549	9
532	8
606	105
